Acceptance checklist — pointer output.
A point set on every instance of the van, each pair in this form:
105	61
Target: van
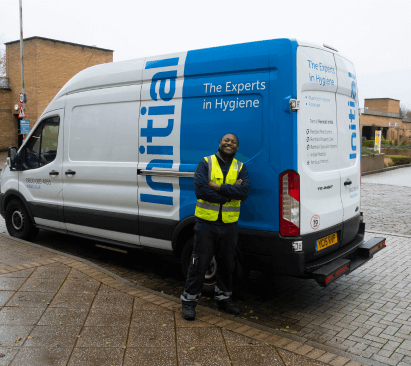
112	158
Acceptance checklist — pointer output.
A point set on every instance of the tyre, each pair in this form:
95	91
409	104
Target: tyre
210	277
18	221
241	270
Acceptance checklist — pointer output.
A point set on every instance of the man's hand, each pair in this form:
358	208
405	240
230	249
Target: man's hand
239	181
214	186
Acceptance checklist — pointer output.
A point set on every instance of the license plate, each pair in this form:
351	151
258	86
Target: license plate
326	242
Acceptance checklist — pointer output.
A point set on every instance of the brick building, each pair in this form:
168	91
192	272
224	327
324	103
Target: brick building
48	65
384	114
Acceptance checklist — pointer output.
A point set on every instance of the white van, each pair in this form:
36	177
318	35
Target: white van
113	156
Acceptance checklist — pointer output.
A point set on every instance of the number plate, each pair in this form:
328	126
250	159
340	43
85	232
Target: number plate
325	242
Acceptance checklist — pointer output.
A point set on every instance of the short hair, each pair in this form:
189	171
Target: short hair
230	133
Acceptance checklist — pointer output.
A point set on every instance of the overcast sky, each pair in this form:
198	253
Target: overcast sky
375	35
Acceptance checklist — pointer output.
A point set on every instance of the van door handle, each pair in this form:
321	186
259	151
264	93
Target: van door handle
347	182
53	172
70	172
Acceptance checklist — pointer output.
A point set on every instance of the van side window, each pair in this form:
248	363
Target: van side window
42	147
104	132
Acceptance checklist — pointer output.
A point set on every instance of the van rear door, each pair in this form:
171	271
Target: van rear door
349	146
318	141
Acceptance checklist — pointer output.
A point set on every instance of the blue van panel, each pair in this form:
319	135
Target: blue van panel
241	89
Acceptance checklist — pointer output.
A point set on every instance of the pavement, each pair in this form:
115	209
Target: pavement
58	310
363	318
398	177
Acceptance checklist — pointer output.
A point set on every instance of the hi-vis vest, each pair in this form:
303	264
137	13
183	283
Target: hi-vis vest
230	210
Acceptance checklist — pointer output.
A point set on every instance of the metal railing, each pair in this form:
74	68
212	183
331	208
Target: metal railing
4	83
376	112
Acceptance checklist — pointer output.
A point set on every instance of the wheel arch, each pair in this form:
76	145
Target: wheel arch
14	194
182	232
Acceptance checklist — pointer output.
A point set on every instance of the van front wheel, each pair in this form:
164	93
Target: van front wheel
18	221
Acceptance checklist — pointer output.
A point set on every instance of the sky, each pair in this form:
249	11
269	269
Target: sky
374	35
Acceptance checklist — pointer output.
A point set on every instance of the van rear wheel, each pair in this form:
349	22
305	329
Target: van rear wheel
210	277
18	222
241	270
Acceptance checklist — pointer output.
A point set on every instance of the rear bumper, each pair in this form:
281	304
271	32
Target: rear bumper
343	266
273	252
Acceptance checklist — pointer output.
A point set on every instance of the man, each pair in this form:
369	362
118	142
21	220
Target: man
221	183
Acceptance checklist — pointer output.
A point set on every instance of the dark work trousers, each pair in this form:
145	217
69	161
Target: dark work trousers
212	240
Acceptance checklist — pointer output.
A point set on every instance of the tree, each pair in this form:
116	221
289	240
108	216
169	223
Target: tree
2	62
404	110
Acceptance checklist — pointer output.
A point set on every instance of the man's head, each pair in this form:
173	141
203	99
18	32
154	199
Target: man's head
229	144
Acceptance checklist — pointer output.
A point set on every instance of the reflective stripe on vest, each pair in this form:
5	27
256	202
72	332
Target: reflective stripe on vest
230	210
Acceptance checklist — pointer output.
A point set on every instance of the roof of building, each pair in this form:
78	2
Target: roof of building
406	120
382	98
56	40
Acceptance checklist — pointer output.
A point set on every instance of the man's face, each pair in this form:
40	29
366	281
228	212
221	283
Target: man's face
229	144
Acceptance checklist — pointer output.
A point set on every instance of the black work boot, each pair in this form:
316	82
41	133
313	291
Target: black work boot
189	312
227	307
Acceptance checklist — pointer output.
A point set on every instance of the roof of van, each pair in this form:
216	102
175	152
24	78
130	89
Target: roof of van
131	71
105	75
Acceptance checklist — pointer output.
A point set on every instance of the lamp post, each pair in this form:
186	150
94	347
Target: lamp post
21	54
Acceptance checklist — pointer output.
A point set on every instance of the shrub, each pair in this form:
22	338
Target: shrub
367	151
399	159
368	143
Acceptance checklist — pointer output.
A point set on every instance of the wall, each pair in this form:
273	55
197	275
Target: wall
8	124
403	152
372	162
48	65
384	104
58	62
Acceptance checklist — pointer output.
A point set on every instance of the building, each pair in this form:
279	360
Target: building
384	114
48	65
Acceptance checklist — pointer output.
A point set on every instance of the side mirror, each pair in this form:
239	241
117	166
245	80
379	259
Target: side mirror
13	158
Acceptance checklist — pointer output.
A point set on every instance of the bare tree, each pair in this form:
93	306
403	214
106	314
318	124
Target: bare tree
2	55
404	110
2	62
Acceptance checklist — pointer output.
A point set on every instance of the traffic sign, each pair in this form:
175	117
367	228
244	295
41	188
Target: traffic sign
24	126
21	97
22	114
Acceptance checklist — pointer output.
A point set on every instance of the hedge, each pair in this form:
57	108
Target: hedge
399	159
368	143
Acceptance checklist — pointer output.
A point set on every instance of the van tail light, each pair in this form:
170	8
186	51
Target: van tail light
290	203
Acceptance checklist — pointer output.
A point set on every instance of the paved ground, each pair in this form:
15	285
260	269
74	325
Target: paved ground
367	313
386	200
397	177
55	311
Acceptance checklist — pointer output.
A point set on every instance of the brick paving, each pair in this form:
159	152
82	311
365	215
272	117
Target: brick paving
366	314
387	207
61	311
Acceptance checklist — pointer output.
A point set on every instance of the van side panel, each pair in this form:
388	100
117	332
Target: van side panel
230	89
100	130
159	147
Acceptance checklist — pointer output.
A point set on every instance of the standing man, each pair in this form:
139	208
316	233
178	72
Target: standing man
221	183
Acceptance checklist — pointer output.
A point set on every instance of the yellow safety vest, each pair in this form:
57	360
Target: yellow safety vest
230	210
